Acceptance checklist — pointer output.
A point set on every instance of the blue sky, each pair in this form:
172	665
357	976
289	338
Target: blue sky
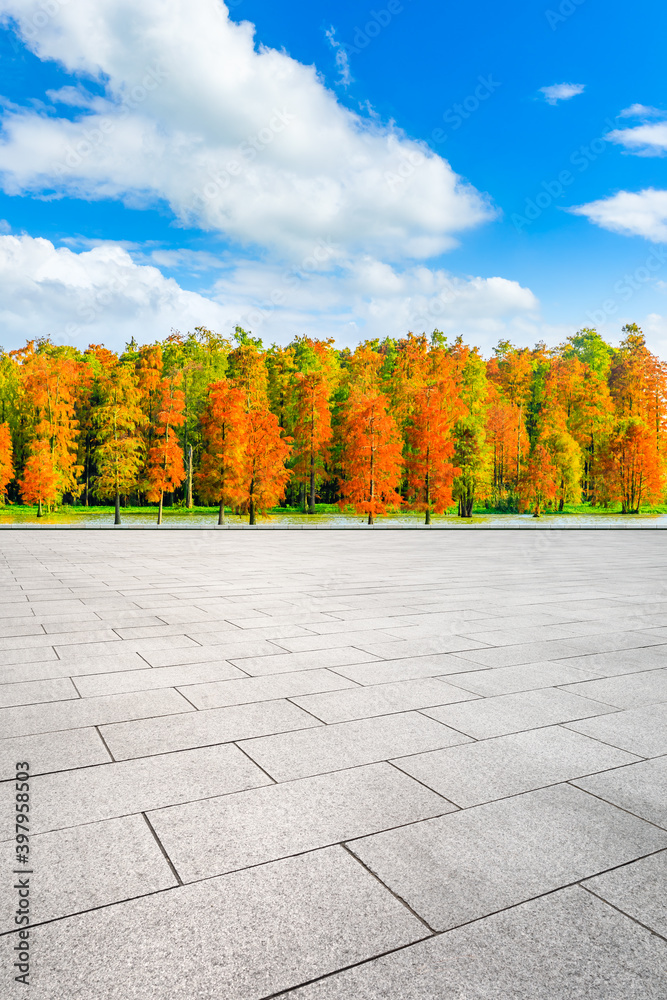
339	169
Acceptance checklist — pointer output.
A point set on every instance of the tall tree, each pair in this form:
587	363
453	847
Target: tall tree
372	458
429	391
224	427
310	411
118	421
165	470
40	479
6	464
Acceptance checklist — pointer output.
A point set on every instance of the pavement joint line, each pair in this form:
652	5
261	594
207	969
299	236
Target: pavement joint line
178	690
433	791
105	745
377	878
625	913
312	714
162	849
606	743
663	829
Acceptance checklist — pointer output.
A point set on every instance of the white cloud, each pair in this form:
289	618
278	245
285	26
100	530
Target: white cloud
643	140
97	296
562	92
342	58
642	213
641	111
236	139
103	295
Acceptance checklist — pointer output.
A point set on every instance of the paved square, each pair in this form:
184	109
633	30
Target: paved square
337	765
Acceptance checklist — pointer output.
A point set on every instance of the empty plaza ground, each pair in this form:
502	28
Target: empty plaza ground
337	765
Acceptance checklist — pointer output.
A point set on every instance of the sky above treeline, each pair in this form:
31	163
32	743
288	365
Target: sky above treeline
333	169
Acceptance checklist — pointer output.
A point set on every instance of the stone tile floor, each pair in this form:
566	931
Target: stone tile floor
336	765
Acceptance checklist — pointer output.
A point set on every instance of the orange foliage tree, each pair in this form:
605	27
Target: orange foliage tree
50	384
539	482
40	480
6	464
165	470
311	424
224	432
262	471
432	407
371	454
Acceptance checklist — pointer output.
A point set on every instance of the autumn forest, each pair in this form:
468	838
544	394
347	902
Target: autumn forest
416	424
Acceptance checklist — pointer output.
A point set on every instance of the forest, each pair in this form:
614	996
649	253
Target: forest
417	424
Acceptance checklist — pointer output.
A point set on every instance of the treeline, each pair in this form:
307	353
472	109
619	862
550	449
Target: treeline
416	423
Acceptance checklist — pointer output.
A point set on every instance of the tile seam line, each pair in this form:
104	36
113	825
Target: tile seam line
663	829
163	849
624	913
391	892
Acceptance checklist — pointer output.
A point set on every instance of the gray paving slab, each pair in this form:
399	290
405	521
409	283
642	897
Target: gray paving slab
512	713
492	769
82	712
523	677
68	667
345	637
409	668
120	682
90	794
258	666
52	752
640	788
89	649
254	689
621	661
638	890
207	728
348	744
474	862
628	691
527	652
12	657
35	692
566	946
421	646
242	936
211	654
223	834
381	699
84	867
642	731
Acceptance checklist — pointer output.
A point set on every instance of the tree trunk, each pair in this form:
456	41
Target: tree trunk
117	505
251	513
370	519
537	510
189	500
311	505
428	516
39	508
159	512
